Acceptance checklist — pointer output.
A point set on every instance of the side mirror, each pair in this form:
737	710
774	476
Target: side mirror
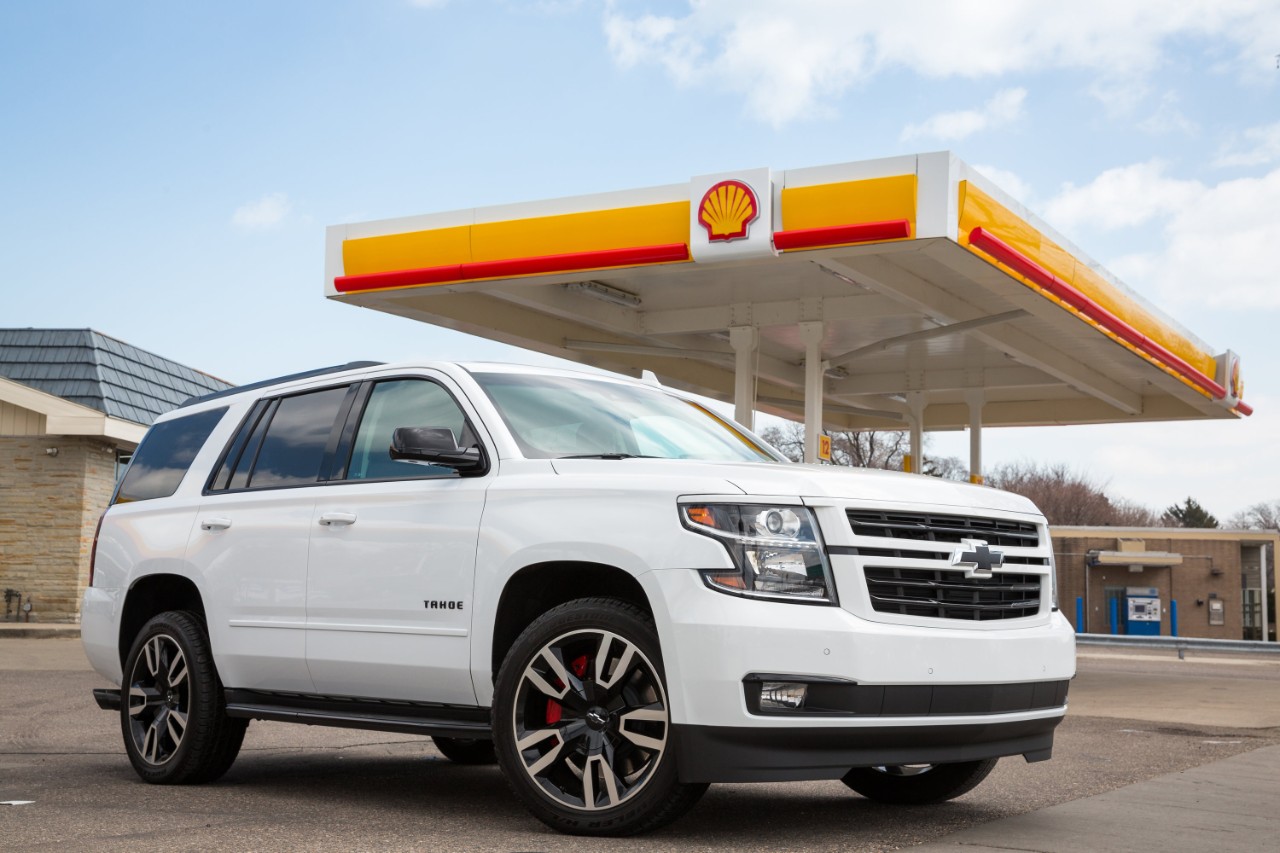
436	445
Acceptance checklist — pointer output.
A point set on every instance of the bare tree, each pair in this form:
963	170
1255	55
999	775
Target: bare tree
1260	516
1126	513
946	468
863	449
1068	497
788	438
870	449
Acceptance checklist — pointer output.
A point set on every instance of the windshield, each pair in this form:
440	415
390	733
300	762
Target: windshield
555	417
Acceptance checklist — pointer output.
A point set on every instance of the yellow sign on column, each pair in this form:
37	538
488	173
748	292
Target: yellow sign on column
824	448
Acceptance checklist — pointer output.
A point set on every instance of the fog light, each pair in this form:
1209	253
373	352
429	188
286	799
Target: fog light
782	695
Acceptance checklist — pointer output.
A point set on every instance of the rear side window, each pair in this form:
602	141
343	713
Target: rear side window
165	454
293	449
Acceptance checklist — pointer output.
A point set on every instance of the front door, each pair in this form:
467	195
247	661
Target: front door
393	546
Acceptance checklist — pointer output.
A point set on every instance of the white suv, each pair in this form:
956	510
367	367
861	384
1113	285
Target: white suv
613	591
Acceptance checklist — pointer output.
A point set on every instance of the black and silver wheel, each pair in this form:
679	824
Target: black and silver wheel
465	750
582	724
918	784
172	717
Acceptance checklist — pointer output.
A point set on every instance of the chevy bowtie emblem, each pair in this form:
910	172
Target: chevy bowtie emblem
976	558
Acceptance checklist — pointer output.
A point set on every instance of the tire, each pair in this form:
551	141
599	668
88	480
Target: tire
582	724
172	713
918	784
465	750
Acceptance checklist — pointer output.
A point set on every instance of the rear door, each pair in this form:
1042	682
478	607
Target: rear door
252	533
392	558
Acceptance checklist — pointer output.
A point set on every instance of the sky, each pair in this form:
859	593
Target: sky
169	168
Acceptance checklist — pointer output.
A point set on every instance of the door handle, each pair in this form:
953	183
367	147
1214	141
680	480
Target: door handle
215	524
331	519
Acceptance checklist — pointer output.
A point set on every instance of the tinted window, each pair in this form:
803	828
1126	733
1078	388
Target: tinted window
236	448
294	445
243	465
402	403
164	455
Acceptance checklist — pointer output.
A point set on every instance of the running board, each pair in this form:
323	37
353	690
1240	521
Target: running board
418	718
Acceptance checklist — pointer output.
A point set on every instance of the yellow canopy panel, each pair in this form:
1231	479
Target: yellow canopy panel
928	286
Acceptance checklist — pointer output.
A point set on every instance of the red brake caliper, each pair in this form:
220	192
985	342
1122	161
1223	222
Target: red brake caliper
579	667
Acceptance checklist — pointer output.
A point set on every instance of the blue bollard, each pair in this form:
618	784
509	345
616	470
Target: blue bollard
1173	617
1115	616
1079	615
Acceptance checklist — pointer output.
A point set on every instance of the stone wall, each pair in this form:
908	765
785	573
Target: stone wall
49	509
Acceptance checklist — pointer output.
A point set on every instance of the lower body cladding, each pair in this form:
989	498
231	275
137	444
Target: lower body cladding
755	754
841	691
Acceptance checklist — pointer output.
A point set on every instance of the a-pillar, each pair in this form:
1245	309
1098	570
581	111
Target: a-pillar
745	340
811	334
975	398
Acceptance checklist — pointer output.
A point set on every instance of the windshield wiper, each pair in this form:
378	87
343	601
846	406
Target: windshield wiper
608	456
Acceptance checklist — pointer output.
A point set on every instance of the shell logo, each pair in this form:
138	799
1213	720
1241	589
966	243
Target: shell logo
727	211
1237	383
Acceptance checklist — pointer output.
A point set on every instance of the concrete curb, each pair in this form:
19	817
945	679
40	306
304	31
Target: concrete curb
31	631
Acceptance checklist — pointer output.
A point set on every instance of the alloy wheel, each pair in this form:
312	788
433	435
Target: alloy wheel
159	699
591	720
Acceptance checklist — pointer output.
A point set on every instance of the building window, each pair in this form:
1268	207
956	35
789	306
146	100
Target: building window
122	462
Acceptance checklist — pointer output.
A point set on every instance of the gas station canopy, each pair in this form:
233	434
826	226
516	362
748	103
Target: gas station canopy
902	293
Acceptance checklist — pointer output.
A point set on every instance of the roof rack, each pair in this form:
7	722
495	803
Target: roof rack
306	374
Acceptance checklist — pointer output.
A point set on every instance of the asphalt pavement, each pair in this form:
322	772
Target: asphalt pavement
1185	751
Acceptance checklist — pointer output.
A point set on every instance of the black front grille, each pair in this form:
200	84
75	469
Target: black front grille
943	594
931	527
914	554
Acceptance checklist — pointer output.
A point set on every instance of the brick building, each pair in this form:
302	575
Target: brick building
74	403
1215	576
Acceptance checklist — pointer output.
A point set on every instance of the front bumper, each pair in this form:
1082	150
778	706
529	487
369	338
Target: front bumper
711	642
894	694
751	754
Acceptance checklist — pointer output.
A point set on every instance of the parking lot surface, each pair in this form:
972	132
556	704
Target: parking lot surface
1134	717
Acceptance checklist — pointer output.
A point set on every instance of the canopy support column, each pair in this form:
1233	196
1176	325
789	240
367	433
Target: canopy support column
914	462
1266	595
811	334
745	340
975	398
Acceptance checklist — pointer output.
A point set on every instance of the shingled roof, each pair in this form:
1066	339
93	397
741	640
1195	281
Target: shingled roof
101	372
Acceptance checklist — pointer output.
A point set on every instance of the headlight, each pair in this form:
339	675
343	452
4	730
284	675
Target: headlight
776	551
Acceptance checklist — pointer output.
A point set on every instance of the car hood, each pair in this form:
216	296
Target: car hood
813	483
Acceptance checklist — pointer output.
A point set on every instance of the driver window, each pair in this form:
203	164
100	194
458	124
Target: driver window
402	403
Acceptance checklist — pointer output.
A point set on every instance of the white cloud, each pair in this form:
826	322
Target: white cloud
791	60
1257	146
1010	182
1217	242
1123	197
262	214
1004	108
1168	118
1119	96
1219	247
